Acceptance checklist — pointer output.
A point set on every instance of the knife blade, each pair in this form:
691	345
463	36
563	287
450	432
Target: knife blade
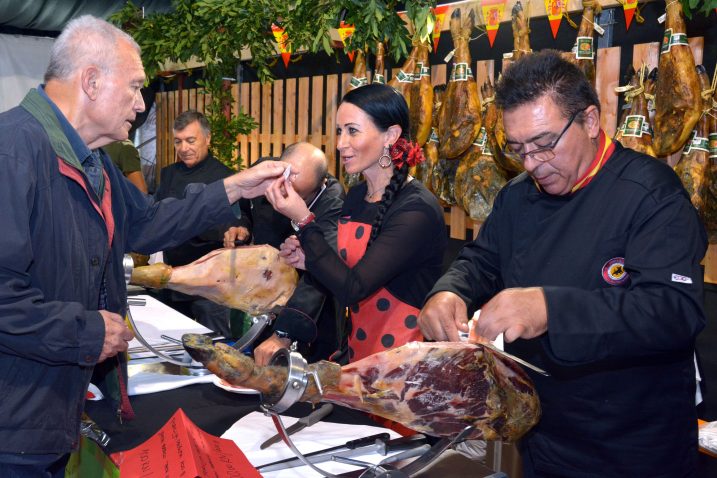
349	446
303	422
372	444
516	359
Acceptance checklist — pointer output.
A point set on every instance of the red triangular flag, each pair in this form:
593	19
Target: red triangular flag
555	8
282	39
493	13
629	10
345	31
440	13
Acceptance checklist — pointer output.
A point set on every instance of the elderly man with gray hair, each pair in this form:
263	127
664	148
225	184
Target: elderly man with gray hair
68	217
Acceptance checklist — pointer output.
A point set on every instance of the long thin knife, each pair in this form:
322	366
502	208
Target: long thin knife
517	359
372	444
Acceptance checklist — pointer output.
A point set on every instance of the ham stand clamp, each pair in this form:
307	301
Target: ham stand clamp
297	380
195	368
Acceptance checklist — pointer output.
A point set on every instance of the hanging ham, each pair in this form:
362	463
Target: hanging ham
421	103
692	166
403	80
424	171
710	208
635	131
521	31
583	53
359	77
436	388
677	93
250	278
460	116
379	70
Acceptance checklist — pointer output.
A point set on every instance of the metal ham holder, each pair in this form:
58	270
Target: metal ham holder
297	380
259	323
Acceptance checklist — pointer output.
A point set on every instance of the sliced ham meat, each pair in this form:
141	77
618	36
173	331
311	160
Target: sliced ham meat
437	388
250	278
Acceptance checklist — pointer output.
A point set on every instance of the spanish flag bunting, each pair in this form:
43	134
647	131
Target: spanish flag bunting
555	9
440	13
629	8
345	31
282	39
493	14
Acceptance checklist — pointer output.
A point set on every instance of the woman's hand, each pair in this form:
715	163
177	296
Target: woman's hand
286	200
292	253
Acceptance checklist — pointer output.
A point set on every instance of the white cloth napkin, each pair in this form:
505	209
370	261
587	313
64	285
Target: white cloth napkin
252	430
152	382
708	436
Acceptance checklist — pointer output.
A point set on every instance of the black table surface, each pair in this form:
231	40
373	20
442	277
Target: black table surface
211	408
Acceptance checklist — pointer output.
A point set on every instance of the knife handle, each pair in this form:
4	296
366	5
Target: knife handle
359	442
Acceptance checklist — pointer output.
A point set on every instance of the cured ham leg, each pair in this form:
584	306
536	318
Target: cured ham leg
521	31
436	388
359	77
251	278
677	94
583	54
692	167
421	103
460	116
378	74
635	131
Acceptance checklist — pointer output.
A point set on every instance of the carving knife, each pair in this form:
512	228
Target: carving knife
372	444
314	417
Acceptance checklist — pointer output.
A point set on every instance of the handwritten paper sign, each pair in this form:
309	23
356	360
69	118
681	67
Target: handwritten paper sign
181	449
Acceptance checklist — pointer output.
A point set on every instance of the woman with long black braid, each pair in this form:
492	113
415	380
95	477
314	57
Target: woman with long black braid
392	235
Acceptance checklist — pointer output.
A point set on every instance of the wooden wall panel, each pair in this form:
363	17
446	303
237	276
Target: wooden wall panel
317	111
277	123
607	75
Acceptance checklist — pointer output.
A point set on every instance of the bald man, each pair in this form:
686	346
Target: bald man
310	316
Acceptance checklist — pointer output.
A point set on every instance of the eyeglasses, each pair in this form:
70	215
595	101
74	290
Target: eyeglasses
543	153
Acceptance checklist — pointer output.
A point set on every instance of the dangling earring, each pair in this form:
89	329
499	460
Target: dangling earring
385	160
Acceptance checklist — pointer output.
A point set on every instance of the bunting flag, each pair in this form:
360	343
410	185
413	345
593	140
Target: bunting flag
493	11
345	31
283	40
440	13
629	7
555	9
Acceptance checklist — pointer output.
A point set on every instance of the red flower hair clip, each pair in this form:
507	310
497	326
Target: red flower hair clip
406	151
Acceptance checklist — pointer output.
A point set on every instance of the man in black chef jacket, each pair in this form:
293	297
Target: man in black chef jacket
589	264
195	164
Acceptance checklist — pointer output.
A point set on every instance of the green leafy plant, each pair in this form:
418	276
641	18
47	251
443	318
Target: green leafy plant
215	31
689	7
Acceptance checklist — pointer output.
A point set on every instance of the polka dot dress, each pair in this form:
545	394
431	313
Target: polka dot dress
380	321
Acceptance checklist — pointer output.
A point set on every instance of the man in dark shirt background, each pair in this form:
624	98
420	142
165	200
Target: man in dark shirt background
192	139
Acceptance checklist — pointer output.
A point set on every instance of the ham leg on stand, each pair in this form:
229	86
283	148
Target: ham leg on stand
437	388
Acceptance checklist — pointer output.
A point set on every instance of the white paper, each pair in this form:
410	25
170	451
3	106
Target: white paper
255	428
152	382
